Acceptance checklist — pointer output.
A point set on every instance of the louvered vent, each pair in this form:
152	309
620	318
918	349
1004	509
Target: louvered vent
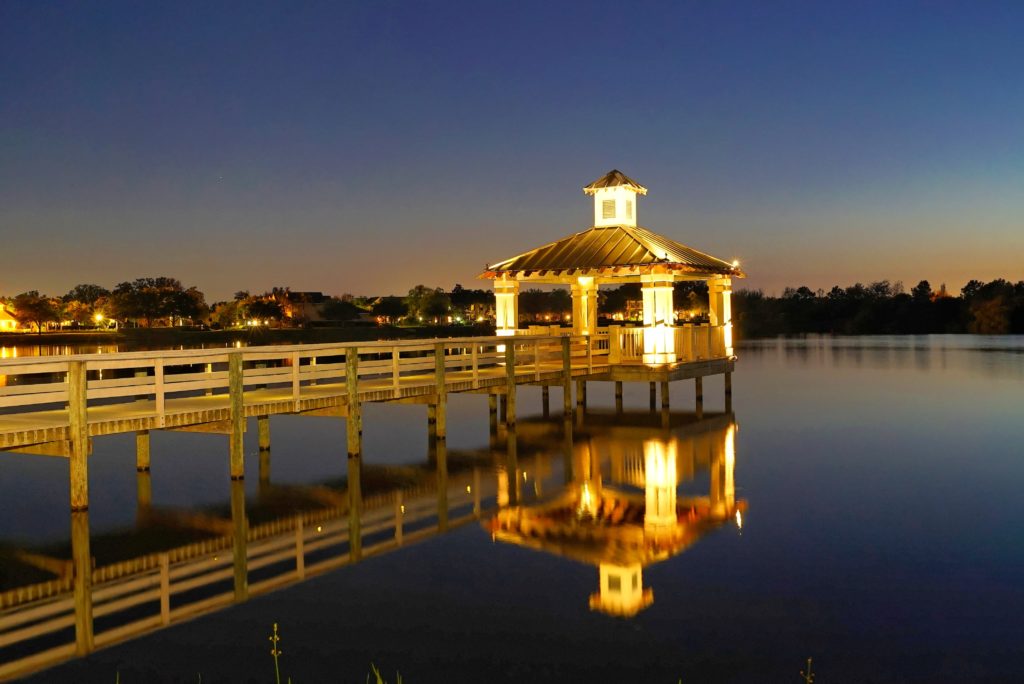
608	209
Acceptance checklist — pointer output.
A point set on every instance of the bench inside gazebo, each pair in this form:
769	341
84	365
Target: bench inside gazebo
614	251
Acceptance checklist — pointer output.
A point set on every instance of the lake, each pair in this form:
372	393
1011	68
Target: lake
882	536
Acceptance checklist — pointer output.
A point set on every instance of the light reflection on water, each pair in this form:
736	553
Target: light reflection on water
883	535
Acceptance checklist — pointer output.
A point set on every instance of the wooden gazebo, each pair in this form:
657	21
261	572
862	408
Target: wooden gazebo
615	250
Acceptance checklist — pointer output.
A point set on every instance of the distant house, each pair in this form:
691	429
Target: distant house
8	323
303	306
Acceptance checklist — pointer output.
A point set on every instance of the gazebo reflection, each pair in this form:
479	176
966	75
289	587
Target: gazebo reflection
623	510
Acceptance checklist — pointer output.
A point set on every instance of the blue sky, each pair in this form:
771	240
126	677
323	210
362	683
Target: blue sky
368	147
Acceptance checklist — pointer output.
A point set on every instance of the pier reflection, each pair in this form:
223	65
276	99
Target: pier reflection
622	508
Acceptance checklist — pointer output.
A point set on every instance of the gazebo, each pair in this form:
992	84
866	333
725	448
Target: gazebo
614	251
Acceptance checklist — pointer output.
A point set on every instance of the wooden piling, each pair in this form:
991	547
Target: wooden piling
143	495
399	517
618	397
728	392
664	396
353	426
236	390
263	428
545	401
300	547
81	563
654	395
78	435
581	395
142	453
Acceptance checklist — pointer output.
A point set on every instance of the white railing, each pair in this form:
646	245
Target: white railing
293	370
691	343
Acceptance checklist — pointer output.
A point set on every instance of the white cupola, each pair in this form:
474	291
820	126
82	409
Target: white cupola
615	196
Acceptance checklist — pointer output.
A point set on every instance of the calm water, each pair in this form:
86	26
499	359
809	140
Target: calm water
884	537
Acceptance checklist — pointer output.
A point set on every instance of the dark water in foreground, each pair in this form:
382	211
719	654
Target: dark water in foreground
884	537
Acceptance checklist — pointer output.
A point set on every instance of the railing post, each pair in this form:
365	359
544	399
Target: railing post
300	547
158	386
614	345
296	379
209	371
475	355
536	359
510	381
165	589
590	354
441	435
566	377
236	390
354	429
395	370
399	513
78	435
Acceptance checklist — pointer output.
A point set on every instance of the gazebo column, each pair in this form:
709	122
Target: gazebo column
659	335
506	306
720	310
584	306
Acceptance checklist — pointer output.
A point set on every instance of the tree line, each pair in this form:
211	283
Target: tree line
992	308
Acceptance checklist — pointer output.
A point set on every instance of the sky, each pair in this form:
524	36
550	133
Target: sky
367	147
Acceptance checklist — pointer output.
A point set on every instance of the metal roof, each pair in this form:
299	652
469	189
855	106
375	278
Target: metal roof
614	178
612	247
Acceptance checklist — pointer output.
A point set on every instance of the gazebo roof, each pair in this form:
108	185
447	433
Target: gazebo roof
608	250
612	179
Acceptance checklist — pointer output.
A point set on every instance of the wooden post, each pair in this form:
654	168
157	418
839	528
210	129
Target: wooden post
81	561
158	387
728	392
618	397
475	358
165	589
614	345
441	436
209	371
296	380
581	395
510	390
699	394
353	426
263	428
300	547
566	378
545	401
590	354
654	395
236	389
78	436
664	395
399	514
396	381
502	408
476	493
142	451
240	547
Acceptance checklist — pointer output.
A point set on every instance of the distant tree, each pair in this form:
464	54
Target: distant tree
150	299
437	305
34	309
86	294
264	309
922	292
390	308
336	309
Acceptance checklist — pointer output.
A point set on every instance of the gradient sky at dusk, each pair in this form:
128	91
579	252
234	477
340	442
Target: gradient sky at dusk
367	147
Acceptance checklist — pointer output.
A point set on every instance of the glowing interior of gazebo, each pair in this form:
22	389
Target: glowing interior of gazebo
616	251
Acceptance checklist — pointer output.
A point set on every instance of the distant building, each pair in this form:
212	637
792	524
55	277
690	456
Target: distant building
8	323
303	306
